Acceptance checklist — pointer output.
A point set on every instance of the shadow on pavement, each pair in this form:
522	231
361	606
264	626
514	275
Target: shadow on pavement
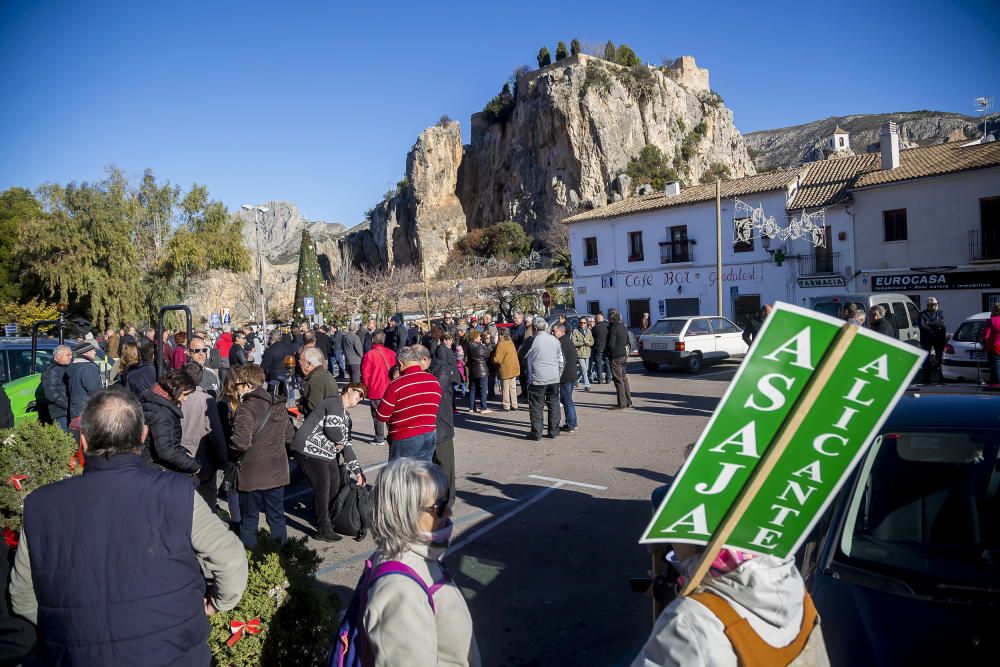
660	477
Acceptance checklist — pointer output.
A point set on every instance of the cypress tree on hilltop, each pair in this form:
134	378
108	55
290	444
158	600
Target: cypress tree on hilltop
561	51
609	51
574	47
544	58
309	282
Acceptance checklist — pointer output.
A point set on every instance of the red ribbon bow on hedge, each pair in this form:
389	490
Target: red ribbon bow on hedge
252	627
16	480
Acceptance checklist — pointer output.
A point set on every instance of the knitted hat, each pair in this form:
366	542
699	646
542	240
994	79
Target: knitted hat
84	348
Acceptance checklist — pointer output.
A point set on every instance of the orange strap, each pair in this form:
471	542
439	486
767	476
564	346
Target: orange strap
750	649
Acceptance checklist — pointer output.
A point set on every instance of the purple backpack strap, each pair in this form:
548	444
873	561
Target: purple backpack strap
396	567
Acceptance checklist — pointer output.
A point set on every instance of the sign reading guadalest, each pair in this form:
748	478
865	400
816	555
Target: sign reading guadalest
786	391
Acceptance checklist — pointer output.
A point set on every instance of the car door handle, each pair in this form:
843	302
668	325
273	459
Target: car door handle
718	335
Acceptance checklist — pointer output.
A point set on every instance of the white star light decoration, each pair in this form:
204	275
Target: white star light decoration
808	225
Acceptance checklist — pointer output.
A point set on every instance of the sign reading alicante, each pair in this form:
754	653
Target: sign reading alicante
786	435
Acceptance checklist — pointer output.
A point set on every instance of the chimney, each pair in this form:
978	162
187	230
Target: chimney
672	189
889	142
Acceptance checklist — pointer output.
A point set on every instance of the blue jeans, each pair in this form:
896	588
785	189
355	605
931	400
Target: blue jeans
61	422
478	385
337	359
566	398
418	447
584	371
272	502
599	365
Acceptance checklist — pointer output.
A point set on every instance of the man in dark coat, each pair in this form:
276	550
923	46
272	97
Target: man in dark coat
932	337
880	323
237	351
353	352
615	350
273	361
336	358
601	370
370	330
84	379
322	341
150	535
444	368
568	380
318	384
754	324
55	385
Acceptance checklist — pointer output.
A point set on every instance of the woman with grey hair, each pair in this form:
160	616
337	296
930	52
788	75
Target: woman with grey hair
411	623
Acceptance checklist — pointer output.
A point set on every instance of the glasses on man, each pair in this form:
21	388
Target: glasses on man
199	350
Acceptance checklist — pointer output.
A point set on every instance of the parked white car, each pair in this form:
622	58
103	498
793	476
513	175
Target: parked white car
691	342
964	358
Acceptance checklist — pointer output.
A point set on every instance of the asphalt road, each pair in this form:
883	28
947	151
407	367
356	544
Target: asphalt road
546	534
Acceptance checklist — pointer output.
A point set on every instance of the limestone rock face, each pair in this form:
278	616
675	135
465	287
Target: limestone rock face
280	234
574	128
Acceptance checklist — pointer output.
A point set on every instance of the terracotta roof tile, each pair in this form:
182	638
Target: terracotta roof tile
825	182
934	160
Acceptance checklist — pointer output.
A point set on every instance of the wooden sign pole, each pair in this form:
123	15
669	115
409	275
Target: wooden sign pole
817	383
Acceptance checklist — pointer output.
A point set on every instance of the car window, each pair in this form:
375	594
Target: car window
899	315
968	332
913	312
721	325
666	327
20	362
698	328
924	511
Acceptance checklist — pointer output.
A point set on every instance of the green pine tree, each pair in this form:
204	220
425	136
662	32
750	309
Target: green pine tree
561	51
309	282
609	51
574	47
544	58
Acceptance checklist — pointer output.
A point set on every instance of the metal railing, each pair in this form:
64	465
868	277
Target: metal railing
671	253
984	244
819	264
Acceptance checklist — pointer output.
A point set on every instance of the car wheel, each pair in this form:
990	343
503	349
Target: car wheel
651	366
693	363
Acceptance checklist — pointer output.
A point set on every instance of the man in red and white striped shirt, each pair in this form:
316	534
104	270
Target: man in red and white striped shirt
410	406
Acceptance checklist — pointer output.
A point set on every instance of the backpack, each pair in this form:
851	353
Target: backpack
350	645
351	509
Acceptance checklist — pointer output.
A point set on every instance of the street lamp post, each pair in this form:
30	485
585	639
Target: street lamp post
258	215
458	286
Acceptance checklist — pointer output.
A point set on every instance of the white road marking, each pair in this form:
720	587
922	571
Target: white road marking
563	482
705	375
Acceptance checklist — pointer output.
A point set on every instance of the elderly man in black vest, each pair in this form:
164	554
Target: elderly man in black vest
110	562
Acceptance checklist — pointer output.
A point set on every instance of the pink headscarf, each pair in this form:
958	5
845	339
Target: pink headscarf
725	561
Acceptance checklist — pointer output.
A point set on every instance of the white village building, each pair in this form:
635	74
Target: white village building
906	221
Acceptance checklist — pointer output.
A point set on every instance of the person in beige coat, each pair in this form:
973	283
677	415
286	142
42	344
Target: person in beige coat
508	368
412	525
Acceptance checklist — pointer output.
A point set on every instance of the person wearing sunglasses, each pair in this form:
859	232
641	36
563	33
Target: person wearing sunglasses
198	352
412	527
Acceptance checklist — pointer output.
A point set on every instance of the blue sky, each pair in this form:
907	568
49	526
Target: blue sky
318	104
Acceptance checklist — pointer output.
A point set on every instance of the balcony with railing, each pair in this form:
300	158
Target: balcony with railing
819	264
984	245
672	252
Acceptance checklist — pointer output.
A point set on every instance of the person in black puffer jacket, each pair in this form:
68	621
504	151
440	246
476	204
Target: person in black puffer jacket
476	363
617	341
161	408
600	368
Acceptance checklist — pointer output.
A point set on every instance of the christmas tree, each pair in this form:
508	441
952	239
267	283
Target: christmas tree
310	283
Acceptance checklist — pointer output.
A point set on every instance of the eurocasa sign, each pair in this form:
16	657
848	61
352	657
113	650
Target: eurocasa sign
802	410
832	281
936	281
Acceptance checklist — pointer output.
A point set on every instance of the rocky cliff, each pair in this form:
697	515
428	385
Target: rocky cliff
557	143
791	146
280	235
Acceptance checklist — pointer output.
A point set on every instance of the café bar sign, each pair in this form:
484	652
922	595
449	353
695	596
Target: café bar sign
827	281
894	282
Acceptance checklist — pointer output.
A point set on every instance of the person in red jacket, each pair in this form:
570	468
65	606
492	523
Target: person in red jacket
991	341
179	356
375	366
410	406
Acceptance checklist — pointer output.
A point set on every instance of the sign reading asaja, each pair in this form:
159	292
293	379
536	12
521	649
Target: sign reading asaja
829	281
936	281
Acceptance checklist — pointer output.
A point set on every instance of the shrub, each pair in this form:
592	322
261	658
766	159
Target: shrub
499	109
596	76
544	59
609	51
401	186
505	240
445	120
574	47
42	453
561	52
680	124
716	172
638	81
27	313
297	617
651	166
711	99
626	56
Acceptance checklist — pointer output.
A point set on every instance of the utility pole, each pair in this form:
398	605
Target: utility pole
258	219
718	245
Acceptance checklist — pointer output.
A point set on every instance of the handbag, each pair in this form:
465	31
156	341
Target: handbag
351	509
231	475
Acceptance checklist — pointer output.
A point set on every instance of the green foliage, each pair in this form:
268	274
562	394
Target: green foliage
40	451
297	617
574	47
124	249
712	99
310	281
680	124
716	172
544	59
444	120
499	109
609	51
401	185
27	313
639	81
651	166
596	76
505	240
626	57
17	207
689	145
561	51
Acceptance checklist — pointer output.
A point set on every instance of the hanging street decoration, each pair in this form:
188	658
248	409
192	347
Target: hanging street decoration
756	224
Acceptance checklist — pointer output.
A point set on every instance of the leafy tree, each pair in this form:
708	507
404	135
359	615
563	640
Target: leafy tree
309	282
544	58
651	166
574	47
27	313
504	240
716	172
561	51
609	51
17	207
626	56
499	109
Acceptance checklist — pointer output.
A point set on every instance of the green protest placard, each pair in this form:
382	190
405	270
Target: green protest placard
804	406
